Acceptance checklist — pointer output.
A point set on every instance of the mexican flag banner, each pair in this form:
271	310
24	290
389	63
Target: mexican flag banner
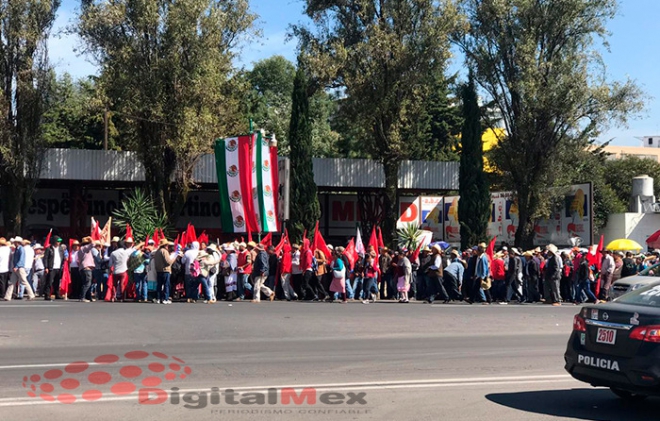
265	181
233	165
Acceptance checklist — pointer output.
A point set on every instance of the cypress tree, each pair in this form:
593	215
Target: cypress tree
475	204
304	203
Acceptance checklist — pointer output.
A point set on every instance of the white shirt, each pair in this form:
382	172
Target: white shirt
119	259
295	263
5	253
73	259
57	260
188	258
29	257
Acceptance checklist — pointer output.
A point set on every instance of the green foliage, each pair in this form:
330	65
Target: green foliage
536	60
25	94
166	67
269	105
408	236
383	57
75	118
620	172
305	209
140	211
475	202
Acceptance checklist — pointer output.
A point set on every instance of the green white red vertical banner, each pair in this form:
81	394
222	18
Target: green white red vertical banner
265	184
233	158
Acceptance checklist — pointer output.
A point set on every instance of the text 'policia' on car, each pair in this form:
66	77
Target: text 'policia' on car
617	345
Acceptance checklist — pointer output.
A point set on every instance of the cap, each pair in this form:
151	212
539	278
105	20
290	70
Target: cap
38	247
114	239
129	240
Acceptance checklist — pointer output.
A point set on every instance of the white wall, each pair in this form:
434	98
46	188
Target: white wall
635	226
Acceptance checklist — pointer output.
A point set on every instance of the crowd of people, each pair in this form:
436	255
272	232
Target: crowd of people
164	272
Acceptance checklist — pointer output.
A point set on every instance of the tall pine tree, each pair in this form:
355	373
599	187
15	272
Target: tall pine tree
305	209
474	204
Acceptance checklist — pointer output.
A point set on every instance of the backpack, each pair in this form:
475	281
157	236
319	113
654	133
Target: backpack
195	269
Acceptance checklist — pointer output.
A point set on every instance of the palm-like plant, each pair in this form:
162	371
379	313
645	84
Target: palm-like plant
408	236
139	210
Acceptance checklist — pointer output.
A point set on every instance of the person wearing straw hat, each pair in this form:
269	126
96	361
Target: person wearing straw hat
38	268
531	273
163	261
606	274
19	275
435	275
5	273
87	264
552	277
260	273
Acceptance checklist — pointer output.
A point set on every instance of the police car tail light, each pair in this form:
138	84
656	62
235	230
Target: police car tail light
578	324
646	334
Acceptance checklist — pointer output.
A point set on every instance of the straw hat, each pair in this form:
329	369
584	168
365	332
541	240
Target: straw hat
552	248
163	242
114	239
3	241
86	240
17	240
252	244
455	253
38	247
436	248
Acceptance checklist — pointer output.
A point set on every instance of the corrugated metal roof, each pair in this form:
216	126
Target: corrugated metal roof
204	171
94	165
84	164
427	175
358	173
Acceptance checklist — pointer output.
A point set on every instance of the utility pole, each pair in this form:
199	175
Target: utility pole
105	129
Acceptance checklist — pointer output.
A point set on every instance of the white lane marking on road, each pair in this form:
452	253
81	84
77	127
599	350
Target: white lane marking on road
386	385
30	306
11	367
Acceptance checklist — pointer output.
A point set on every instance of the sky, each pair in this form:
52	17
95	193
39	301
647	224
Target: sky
634	52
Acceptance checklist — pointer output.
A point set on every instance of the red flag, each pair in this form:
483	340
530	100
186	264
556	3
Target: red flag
304	235
184	239
146	240
96	232
129	232
380	238
47	242
415	254
191	235
267	240
156	237
490	251
249	236
595	259
283	241
176	242
373	242
161	233
66	279
351	253
320	244
203	238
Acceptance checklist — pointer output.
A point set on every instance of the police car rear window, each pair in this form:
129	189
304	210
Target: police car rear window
647	296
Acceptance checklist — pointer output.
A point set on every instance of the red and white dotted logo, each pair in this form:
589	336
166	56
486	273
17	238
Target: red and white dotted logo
109	375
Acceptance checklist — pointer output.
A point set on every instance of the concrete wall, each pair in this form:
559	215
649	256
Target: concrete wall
635	226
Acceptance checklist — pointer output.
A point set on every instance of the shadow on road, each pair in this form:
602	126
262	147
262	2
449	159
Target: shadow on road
582	404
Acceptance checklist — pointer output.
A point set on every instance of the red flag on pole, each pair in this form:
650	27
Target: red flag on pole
267	240
415	254
47	242
320	244
176	243
129	232
146	240
490	251
191	235
203	238
283	241
96	232
156	237
351	253
373	242
595	259
380	238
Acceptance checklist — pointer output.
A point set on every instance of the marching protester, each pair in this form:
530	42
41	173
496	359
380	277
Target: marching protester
53	261
163	260
260	272
453	276
606	274
338	284
552	276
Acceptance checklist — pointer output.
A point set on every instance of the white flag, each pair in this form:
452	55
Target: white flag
359	246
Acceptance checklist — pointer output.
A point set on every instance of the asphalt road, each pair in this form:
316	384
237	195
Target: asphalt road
376	361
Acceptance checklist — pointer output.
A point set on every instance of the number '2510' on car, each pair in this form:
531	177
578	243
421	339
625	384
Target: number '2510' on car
617	345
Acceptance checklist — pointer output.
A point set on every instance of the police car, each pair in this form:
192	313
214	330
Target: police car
617	345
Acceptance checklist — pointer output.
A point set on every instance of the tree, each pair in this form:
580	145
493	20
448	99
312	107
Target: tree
475	203
140	212
619	173
382	56
25	26
75	118
166	68
270	106
536	60
305	209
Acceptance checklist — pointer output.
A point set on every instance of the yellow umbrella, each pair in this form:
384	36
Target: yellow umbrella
624	244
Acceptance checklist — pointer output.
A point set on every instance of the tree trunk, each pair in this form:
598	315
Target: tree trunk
390	215
525	231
